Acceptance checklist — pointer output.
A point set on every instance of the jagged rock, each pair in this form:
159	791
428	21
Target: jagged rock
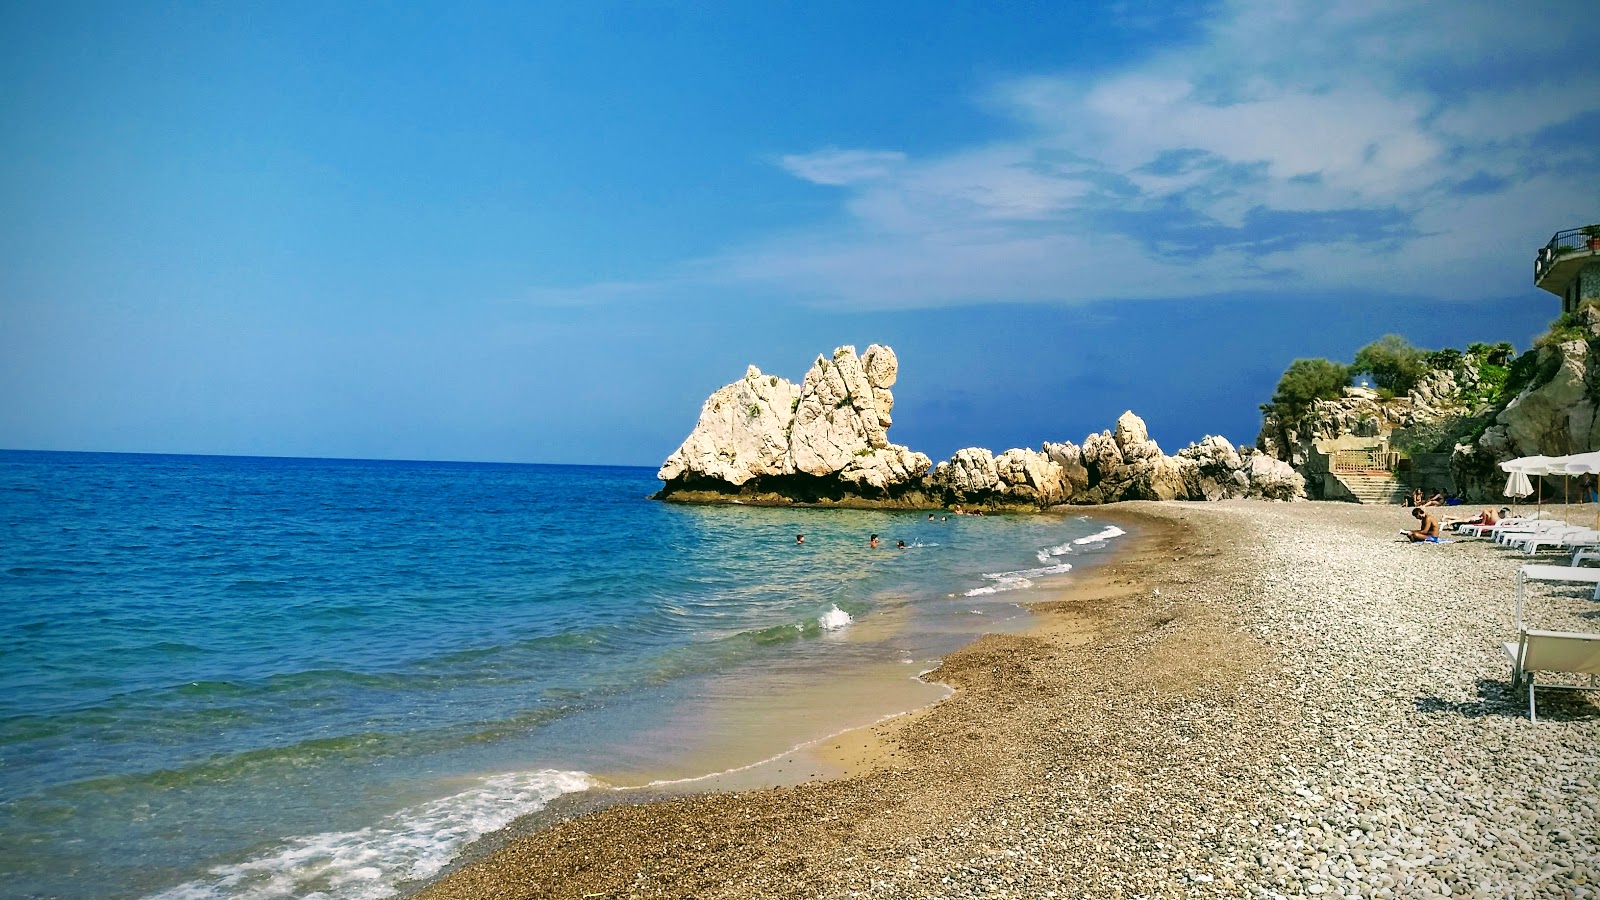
839	413
969	474
883	470
832	428
1558	416
1069	456
742	432
766	440
1030	477
1553	416
1273	479
1216	470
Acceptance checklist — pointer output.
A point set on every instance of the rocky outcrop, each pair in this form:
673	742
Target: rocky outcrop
824	439
1554	415
1119	464
763	439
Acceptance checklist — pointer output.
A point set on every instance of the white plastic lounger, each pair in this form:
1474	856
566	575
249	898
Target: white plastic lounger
1507	535
1570	652
1566	574
1484	530
1563	538
1584	554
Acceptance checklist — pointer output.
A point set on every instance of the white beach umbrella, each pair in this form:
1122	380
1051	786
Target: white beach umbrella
1530	465
1586	464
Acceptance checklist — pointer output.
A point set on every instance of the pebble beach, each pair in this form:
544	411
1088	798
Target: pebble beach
1254	699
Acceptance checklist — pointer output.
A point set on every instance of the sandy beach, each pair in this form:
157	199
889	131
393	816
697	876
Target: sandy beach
1253	700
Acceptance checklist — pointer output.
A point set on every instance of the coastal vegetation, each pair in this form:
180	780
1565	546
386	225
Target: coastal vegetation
1478	406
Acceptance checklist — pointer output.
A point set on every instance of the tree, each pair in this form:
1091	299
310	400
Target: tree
1307	380
1393	363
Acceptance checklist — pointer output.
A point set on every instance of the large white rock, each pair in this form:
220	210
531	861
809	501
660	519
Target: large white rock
969	473
741	434
842	411
833	424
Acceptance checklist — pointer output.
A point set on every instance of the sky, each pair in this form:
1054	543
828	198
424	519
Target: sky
533	232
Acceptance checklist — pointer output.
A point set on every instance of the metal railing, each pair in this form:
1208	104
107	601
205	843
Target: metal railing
1563	242
1372	461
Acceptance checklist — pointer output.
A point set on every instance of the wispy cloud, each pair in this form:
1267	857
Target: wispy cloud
840	167
1299	145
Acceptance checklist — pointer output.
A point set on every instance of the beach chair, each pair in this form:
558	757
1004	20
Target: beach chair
1585	575
1505	534
1484	530
1583	554
1564	538
1568	652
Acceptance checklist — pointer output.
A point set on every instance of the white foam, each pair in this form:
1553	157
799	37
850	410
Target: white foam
1016	581
834	619
1105	534
367	864
1058	550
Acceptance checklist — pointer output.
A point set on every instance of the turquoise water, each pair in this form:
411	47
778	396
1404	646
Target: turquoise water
236	677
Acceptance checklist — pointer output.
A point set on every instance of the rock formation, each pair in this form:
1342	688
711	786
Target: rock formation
1121	464
825	439
765	440
1554	415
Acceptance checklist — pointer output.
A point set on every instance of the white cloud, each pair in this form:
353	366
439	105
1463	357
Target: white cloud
842	167
1297	145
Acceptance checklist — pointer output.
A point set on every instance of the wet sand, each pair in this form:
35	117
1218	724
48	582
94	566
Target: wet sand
1050	700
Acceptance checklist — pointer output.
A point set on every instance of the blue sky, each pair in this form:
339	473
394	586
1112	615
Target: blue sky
545	232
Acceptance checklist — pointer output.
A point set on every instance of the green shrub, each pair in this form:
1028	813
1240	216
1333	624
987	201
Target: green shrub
1448	359
1305	381
1500	354
1392	362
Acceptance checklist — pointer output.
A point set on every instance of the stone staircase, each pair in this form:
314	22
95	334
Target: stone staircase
1374	488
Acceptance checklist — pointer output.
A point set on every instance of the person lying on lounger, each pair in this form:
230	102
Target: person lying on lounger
1487	517
1429	530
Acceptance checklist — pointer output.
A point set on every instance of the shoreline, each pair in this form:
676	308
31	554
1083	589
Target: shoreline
1249	700
855	752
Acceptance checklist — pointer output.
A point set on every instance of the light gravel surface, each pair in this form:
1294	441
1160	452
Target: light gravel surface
1256	700
1417	772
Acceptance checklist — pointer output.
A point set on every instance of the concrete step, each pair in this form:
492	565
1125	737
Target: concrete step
1374	488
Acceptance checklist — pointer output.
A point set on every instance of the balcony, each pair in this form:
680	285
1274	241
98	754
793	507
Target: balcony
1556	267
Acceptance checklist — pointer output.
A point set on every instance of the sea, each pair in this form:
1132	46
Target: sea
230	677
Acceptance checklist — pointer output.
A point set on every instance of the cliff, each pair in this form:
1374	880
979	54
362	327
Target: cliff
764	440
1476	410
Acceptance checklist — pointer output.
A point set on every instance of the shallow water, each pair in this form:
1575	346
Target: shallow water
231	677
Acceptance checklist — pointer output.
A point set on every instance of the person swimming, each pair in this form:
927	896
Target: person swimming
899	545
799	539
873	542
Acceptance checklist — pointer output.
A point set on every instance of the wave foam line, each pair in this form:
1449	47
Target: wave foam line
1048	552
1105	534
1016	581
367	864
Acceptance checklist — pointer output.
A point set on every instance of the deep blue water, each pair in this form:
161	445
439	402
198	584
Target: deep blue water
239	677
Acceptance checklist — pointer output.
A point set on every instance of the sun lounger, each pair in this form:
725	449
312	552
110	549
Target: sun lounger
1564	574
1584	554
1506	534
1564	538
1567	652
1484	530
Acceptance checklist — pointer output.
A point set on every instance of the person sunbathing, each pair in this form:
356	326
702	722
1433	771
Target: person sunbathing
1429	530
1487	517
